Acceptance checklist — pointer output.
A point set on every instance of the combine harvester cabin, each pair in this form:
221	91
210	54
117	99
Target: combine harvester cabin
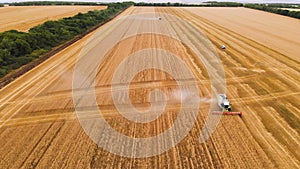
225	106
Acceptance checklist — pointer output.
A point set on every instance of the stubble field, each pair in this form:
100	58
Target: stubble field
39	128
22	18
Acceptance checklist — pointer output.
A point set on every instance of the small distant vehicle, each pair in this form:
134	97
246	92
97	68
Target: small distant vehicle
159	18
223	47
225	106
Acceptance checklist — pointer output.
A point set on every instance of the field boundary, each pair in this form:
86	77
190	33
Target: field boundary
22	70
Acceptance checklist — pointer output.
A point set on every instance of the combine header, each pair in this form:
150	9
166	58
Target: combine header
225	106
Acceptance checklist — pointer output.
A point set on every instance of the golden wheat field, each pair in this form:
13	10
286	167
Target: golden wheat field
39	127
22	18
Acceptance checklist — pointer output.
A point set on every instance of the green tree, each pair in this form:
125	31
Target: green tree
20	48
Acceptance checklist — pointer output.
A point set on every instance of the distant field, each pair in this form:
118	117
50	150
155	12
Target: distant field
23	18
291	9
277	32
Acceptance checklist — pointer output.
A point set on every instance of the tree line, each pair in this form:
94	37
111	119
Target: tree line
280	5
273	8
206	4
19	48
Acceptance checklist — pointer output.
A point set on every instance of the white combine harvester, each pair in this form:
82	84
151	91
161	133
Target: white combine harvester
225	106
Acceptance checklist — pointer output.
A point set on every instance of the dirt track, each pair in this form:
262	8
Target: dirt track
39	127
23	18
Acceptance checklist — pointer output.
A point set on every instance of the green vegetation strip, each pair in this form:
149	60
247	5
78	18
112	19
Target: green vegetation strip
41	42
